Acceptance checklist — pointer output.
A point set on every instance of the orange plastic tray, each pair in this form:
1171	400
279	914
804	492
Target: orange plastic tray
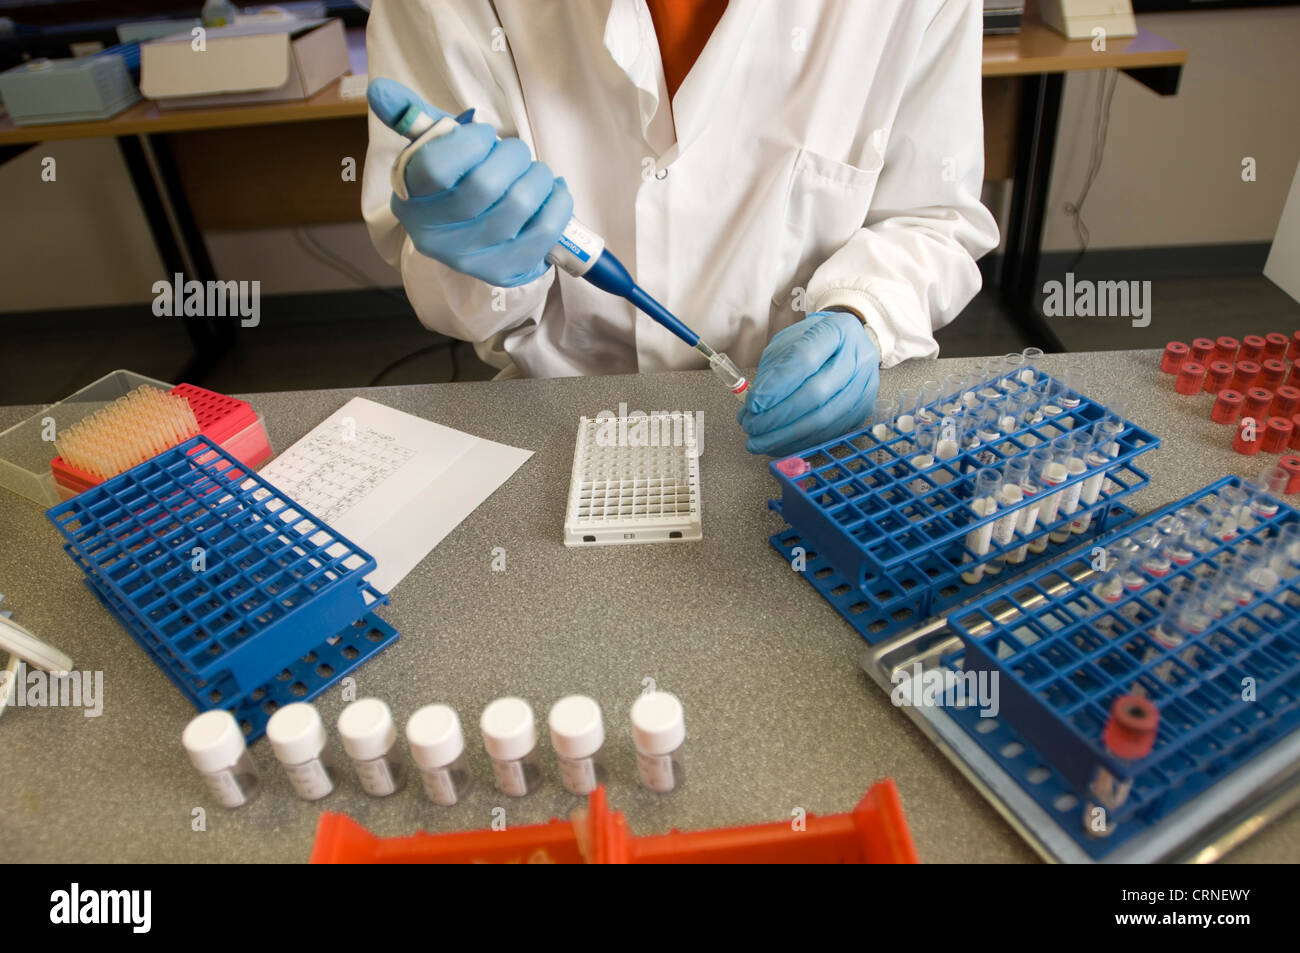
874	832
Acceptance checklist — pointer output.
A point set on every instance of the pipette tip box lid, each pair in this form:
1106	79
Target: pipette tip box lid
635	479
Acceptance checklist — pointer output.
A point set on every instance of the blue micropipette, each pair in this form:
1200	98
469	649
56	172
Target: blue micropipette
582	253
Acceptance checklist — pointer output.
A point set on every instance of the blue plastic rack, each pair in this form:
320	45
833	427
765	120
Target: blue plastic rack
1062	657
243	599
884	541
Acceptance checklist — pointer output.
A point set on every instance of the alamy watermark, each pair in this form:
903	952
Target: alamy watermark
659	428
208	299
1098	299
34	688
935	688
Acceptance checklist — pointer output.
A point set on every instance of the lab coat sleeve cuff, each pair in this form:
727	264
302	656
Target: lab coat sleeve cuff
872	312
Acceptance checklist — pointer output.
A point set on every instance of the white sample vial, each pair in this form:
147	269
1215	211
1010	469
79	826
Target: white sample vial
510	737
215	744
297	737
438	749
658	731
369	737
578	737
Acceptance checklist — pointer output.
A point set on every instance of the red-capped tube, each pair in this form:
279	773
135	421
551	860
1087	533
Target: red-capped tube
1275	344
1175	353
1272	372
1203	350
1244	375
1132	727
1293	349
1225	348
1190	378
1218	375
1291	464
793	467
1258	401
1227	407
1252	348
1248	427
1286	402
1277	434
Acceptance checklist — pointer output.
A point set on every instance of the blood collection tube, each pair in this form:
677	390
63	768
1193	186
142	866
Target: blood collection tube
1203	350
437	745
370	739
510	737
215	745
1258	401
1173	531
1276	344
1191	378
1175	353
1286	402
983	503
1227	407
1052	474
1252	348
1272	372
1076	464
1277	435
1245	374
1225	348
1218	375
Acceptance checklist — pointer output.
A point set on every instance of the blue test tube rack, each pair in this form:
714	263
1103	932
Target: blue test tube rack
1060	668
244	599
884	541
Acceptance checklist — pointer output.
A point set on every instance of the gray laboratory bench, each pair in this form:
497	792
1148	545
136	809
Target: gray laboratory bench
779	714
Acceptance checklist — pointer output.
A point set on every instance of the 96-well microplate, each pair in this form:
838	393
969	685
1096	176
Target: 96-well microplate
635	480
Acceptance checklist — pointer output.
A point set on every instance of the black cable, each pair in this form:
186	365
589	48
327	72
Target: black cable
1101	130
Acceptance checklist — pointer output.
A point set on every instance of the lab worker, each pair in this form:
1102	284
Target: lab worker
798	181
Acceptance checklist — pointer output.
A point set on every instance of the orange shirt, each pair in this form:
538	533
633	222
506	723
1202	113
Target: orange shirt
683	27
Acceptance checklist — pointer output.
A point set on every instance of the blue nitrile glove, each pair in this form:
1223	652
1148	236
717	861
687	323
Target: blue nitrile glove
816	380
478	204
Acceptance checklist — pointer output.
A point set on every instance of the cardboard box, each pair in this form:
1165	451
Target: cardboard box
267	62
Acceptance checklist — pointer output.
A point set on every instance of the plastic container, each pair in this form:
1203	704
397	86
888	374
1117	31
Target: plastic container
1291	464
437	746
510	737
1244	375
1249	439
1227	407
216	748
1272	373
1258	401
370	739
1191	377
1225	349
578	737
874	832
1293	378
1175	353
1277	435
1286	402
659	734
297	737
1203	350
1276	344
1252	348
1218	375
1293	347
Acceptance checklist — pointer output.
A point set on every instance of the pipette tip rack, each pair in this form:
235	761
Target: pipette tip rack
243	599
1063	658
886	542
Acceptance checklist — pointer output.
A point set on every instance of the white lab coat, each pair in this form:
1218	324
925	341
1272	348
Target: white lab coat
819	153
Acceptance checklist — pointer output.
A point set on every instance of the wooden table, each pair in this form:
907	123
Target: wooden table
1024	80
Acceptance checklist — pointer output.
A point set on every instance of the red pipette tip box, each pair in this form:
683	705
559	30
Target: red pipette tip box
1175	353
1227	406
1132	727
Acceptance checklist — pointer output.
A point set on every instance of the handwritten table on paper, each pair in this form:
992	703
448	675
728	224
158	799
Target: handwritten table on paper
395	484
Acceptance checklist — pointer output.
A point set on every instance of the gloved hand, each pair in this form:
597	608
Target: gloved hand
477	204
816	380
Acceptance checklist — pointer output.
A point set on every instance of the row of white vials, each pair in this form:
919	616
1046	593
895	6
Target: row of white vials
1255	566
216	747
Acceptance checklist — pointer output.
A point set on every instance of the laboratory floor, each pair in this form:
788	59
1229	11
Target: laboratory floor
346	339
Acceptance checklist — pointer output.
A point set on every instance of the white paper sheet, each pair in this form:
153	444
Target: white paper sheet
393	483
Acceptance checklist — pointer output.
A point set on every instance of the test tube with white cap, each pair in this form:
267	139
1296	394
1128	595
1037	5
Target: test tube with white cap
1103	450
983	503
370	738
578	737
1010	494
1034	487
437	746
215	745
1052	473
905	422
297	737
1076	464
510	737
659	734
